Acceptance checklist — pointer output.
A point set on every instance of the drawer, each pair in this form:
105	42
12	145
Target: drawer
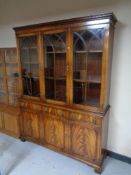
60	113
30	105
89	118
24	104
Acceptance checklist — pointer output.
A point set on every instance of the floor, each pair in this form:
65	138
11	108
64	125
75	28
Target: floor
26	158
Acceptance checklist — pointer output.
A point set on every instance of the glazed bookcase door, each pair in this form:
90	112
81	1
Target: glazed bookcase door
54	47
3	87
12	76
87	65
30	66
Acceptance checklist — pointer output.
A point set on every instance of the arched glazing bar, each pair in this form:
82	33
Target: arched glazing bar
87	61
55	66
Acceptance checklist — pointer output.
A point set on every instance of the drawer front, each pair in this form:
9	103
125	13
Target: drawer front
56	113
24	104
30	106
86	118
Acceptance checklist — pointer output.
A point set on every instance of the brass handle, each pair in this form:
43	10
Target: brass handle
94	121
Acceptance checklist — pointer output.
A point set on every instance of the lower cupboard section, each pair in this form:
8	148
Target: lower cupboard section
56	129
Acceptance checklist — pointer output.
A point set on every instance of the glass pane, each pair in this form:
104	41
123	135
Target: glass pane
10	55
1	70
30	65
13	86
13	99
12	69
3	98
2	73
12	76
60	90
2	86
55	66
88	48
3	93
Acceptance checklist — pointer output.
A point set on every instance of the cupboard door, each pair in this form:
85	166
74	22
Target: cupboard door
30	66
84	142
87	65
31	125
11	124
54	132
55	66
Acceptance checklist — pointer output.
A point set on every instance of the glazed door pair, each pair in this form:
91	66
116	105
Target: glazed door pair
72	65
44	57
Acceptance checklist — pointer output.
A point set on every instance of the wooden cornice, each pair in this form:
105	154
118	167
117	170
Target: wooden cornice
110	16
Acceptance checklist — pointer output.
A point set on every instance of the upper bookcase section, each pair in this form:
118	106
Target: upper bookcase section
67	62
87	20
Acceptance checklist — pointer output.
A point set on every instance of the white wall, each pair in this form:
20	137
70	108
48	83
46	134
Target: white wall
119	138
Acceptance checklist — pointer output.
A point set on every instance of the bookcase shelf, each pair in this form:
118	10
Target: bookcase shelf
57	52
30	63
56	78
11	62
88	81
86	52
29	47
